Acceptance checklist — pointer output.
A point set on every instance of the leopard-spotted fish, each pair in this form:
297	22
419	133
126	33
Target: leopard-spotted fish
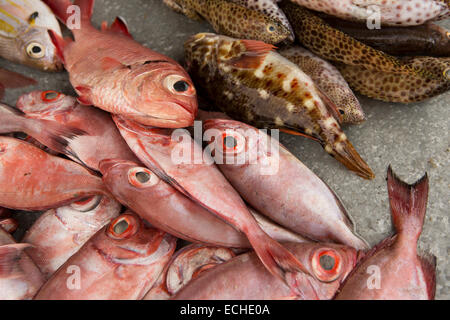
233	19
405	88
254	84
24	38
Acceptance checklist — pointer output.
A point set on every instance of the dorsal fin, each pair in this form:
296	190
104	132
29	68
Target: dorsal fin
120	26
256	52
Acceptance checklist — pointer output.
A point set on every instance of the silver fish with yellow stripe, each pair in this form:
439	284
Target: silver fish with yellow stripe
24	38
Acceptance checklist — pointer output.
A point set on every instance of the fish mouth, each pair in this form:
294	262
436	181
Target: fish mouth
346	154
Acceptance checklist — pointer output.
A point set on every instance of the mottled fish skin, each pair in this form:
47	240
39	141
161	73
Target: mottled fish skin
234	19
187	264
331	44
266	91
244	278
404	273
59	233
20	278
392	12
121	261
404	88
100	139
425	40
24	38
269	8
329	80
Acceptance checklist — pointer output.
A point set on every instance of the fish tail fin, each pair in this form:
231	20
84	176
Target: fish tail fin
86	10
428	262
278	260
9	258
408	204
52	134
345	153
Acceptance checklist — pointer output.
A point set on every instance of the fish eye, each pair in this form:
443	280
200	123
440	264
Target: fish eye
447	73
86	204
181	86
232	142
142	177
50	96
35	50
123	227
326	265
271	28
229	142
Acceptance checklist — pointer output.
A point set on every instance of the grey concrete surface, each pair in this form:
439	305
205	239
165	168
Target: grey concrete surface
414	138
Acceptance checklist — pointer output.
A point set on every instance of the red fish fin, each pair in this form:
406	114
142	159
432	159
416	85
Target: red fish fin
295	133
59	43
84	95
428	262
120	26
108	63
9	258
350	158
59	8
9	225
86	9
332	108
10	79
408	204
278	260
256	52
104	26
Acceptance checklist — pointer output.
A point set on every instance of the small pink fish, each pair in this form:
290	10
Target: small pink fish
100	139
166	208
109	70
199	179
244	277
20	278
31	179
59	233
122	261
393	269
187	264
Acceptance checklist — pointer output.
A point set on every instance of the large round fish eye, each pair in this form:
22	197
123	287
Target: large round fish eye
123	227
35	50
327	264
142	177
86	204
271	28
181	86
50	96
177	84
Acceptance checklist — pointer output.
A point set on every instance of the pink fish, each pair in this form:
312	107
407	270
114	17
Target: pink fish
198	178
109	70
187	264
278	185
122	261
31	179
393	270
20	279
100	139
10	79
244	277
166	208
59	233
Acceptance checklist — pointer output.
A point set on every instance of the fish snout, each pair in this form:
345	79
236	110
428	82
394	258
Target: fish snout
107	164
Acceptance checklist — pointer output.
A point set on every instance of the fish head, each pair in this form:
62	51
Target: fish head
127	240
48	102
38	51
164	96
330	264
268	29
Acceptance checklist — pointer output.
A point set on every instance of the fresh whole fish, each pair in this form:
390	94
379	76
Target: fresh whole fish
20	278
244	278
187	264
235	19
164	207
122	261
24	38
403	274
329	80
390	12
251	83
331	44
100	139
53	135
109	70
59	233
10	79
291	195
31	179
404	88
424	40
197	177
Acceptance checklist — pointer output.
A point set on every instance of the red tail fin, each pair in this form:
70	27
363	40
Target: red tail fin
280	262
408	204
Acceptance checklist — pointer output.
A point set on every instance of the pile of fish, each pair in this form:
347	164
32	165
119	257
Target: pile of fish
136	207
